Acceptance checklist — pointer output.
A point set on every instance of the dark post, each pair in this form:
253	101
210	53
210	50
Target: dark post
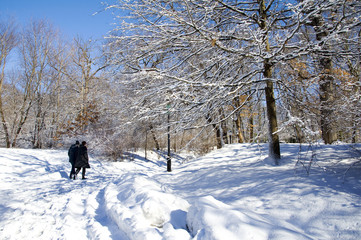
169	161
146	144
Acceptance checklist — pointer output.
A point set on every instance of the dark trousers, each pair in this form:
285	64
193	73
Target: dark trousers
72	172
83	172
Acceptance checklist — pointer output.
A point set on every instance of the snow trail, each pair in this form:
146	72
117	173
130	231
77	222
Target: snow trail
39	201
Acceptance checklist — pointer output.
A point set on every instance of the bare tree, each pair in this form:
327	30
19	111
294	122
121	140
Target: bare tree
59	96
37	40
8	41
54	88
330	26
85	65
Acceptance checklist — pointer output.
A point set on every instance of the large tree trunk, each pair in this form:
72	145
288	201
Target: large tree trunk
325	84
326	91
274	144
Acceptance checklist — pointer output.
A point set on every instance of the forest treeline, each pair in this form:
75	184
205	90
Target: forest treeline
207	72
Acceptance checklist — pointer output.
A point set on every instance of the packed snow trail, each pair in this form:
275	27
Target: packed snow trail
39	201
231	193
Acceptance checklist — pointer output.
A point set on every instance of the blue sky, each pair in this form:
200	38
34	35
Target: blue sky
71	17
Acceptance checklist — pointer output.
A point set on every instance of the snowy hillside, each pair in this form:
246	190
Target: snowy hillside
231	193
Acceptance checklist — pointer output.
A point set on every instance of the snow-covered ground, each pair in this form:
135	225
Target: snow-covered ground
231	193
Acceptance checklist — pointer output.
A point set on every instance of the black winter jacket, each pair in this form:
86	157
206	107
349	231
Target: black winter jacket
82	161
73	153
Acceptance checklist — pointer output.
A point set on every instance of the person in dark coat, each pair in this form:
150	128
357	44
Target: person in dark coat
82	161
73	154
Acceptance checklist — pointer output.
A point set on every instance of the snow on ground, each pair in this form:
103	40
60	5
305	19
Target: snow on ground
231	193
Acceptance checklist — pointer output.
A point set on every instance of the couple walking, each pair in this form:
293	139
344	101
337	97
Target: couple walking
78	157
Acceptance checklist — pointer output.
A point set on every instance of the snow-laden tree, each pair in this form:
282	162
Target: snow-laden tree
198	56
208	53
347	75
329	25
317	86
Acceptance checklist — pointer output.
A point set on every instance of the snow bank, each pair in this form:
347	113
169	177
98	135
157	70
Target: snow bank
210	219
143	209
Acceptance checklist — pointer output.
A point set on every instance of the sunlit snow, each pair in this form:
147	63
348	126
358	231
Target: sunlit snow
231	193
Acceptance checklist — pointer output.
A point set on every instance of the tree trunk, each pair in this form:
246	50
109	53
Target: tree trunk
6	131
251	127
224	129
237	101
250	120
239	128
218	136
218	130
274	144
325	84
24	113
37	126
354	132
157	146
326	91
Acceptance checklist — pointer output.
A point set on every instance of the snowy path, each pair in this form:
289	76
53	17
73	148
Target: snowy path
229	194
39	201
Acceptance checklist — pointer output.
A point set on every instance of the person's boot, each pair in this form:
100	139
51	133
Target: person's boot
83	174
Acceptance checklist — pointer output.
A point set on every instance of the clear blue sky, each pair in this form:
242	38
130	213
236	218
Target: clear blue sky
71	17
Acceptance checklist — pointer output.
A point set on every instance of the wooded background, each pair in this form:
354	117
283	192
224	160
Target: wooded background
216	72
